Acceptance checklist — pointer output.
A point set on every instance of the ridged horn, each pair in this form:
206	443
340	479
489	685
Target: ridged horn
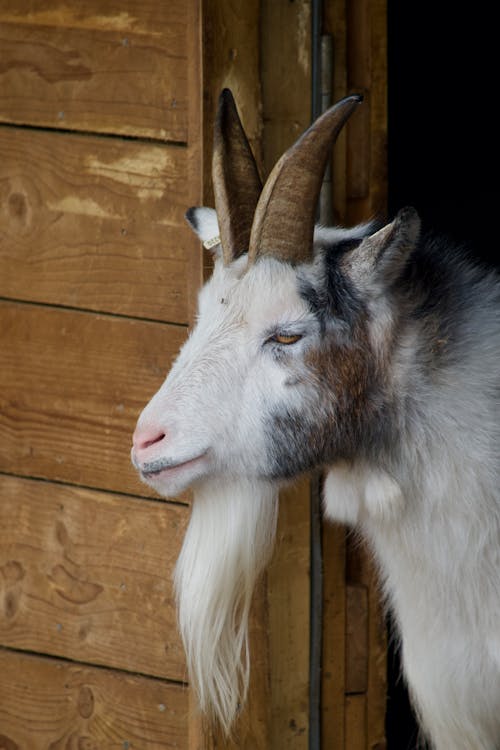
236	181
283	225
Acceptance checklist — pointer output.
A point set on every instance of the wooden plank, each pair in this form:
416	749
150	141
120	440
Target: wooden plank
96	223
71	387
367	132
335	24
87	576
355	723
359	66
118	67
231	59
55	704
356	639
361	571
379	116
289	615
333	673
286	75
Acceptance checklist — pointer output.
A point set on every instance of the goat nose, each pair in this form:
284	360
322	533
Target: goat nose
145	437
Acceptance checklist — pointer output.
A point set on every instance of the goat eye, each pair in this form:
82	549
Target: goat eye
281	338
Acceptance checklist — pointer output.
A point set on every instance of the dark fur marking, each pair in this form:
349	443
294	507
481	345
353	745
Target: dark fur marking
190	217
351	409
341	409
337	297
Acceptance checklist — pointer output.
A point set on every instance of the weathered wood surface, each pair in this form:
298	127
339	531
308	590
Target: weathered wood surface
289	621
231	59
357	651
88	576
114	67
367	132
335	24
286	75
71	387
96	223
361	574
333	666
356	733
46	703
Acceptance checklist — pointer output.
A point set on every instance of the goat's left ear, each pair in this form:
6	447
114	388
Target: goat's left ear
381	257
203	221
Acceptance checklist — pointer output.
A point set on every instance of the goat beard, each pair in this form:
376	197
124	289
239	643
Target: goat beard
228	543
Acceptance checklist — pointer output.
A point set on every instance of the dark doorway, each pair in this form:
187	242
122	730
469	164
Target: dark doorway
444	151
444	159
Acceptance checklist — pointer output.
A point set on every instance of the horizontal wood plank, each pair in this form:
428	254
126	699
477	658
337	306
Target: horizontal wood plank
88	576
96	223
72	385
114	67
55	704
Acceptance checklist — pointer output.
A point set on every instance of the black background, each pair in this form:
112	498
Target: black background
443	143
444	153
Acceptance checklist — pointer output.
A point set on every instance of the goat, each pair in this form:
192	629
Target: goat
372	354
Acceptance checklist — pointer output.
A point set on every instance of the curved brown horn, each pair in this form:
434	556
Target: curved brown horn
283	226
236	181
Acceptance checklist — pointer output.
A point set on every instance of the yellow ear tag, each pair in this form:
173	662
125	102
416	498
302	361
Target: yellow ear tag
209	244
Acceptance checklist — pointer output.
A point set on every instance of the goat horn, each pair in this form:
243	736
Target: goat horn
283	225
236	181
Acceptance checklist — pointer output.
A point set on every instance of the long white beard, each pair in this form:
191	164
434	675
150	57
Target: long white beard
228	543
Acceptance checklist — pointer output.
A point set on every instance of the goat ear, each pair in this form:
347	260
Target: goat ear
203	222
382	256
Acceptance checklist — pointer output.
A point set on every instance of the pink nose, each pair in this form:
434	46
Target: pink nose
146	437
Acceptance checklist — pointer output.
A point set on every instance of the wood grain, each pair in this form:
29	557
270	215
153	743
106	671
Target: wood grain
335	24
361	571
72	385
333	673
289	615
63	706
87	576
356	736
96	223
118	67
286	72
357	655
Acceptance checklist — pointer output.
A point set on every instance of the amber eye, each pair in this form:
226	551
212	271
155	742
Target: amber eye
281	338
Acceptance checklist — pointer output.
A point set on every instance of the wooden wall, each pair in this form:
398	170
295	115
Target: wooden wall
100	143
106	114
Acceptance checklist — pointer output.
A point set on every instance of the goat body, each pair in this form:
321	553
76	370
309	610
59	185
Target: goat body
373	355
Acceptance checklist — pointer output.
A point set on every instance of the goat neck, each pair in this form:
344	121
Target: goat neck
283	225
236	180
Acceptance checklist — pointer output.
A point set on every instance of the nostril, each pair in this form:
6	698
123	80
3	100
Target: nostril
144	439
154	440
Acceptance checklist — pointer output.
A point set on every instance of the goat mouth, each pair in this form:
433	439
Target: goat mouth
164	466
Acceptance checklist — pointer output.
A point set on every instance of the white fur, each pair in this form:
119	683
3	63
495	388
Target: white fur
228	543
355	493
430	508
